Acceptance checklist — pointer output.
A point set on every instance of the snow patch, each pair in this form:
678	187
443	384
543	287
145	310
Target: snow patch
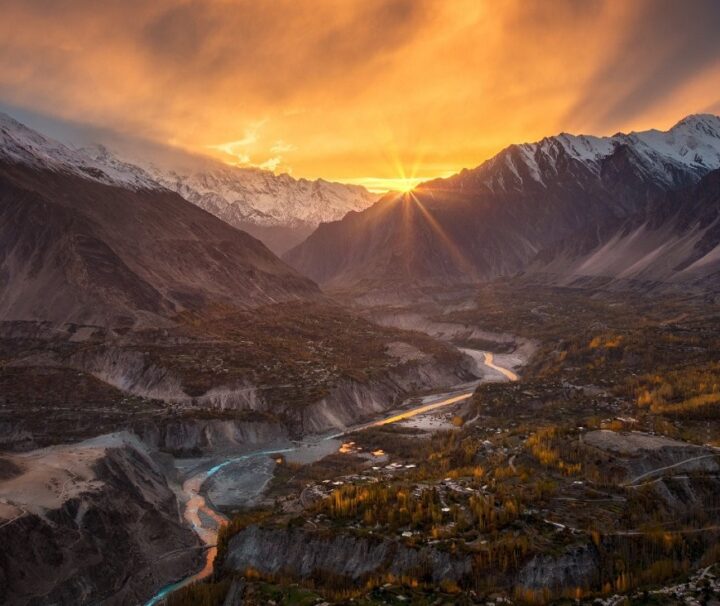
22	145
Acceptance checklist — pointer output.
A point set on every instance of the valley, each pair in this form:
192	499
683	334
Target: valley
470	393
197	507
218	431
543	478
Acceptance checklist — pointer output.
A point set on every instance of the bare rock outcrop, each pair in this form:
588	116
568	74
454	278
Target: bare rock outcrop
93	522
299	553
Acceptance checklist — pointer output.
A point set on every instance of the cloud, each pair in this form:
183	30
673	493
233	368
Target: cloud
360	87
270	164
241	151
172	55
664	46
238	147
280	147
272	49
232	148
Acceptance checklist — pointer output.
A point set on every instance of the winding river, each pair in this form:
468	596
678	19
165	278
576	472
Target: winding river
206	521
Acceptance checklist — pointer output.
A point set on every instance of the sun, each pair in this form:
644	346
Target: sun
399	175
407	185
404	183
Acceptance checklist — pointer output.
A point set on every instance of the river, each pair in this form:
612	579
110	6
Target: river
206	521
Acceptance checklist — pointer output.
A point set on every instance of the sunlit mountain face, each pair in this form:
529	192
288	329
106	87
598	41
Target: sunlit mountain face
369	302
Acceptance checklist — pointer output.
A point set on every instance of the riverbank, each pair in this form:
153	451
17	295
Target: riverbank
308	451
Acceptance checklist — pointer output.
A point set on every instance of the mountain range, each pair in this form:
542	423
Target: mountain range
559	207
101	242
279	210
86	236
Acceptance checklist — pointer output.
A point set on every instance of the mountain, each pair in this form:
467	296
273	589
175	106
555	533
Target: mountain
674	240
101	242
494	220
690	148
278	209
21	145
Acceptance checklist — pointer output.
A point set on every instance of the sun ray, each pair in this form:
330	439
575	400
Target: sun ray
449	244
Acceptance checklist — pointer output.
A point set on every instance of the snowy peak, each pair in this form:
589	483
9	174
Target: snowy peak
22	145
693	142
708	124
586	148
692	146
238	195
241	195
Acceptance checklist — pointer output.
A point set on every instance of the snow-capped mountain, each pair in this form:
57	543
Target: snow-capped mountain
278	209
493	220
691	147
89	238
260	196
22	145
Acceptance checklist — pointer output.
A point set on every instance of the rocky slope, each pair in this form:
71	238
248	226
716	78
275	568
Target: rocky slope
341	557
89	523
301	554
228	382
674	240
192	436
79	241
493	220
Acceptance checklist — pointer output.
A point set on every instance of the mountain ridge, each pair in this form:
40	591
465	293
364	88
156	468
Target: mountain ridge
697	133
494	219
279	209
19	144
84	243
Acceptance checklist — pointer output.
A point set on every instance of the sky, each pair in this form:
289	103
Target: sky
384	93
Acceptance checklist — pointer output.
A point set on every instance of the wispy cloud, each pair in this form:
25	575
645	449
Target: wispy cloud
271	164
252	151
280	147
239	147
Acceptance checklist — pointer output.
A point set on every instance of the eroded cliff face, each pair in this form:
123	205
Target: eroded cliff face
116	389
353	401
195	435
94	522
309	554
578	566
129	371
301	554
350	401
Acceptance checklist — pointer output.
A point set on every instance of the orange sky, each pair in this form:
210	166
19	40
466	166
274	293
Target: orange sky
366	91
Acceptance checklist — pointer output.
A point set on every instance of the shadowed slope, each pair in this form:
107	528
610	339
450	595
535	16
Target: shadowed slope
675	239
73	249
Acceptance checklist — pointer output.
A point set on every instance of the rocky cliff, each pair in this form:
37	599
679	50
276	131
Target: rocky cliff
94	522
301	554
